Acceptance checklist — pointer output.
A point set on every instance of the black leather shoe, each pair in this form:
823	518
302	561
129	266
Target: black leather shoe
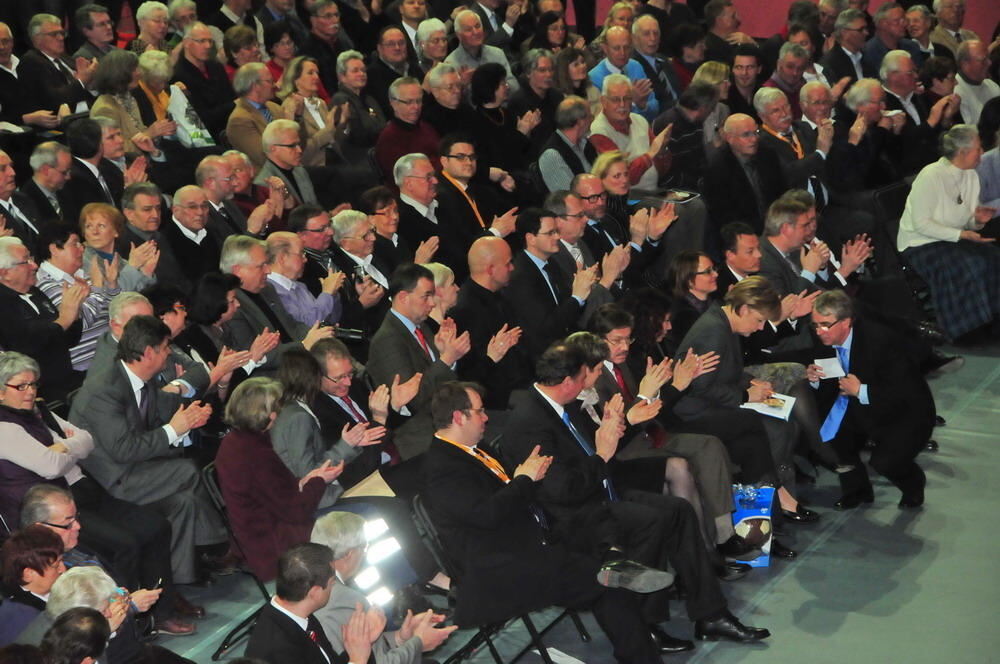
800	515
737	548
939	421
930	333
669	644
732	571
938	364
633	576
932	446
851	500
779	550
727	626
912	500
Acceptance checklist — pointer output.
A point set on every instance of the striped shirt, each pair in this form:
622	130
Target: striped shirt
93	311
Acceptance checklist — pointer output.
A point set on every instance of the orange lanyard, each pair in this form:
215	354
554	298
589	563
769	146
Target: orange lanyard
468	198
799	153
492	464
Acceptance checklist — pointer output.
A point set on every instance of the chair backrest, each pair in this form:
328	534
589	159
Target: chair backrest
432	539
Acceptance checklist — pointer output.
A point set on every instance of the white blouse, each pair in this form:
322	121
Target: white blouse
942	203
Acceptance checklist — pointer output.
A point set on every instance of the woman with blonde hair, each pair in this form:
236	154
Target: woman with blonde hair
717	74
324	125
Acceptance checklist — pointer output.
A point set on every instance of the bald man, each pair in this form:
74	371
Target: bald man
496	359
617	49
187	236
743	178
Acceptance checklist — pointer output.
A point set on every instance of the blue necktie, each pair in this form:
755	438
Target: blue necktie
266	113
836	415
582	442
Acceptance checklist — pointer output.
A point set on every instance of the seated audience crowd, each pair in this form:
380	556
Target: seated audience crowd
272	272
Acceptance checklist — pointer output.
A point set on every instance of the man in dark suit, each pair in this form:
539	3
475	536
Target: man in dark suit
419	217
646	44
722	24
214	176
92	177
742	178
882	397
546	302
286	630
141	204
139	434
33	325
586	507
495	534
51	164
208	87
405	346
324	41
500	22
363	292
188	238
53	79
845	59
389	62
282	10
236	12
17	211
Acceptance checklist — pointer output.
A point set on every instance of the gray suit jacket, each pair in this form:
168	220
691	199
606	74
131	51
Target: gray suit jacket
337	613
124	444
195	374
780	272
301	177
395	351
249	321
723	387
298	441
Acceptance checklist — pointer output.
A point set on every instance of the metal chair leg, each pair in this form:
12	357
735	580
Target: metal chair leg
236	635
575	617
536	639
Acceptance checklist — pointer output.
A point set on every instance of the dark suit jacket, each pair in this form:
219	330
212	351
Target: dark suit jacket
196	259
49	87
13	101
729	194
83	187
724	387
380	76
326	57
919	143
393	255
541	319
212	97
394	350
249	321
663	95
354	315
44	212
37	335
21	230
277	640
416	228
796	171
459	226
220	228
837	65
780	272
870	164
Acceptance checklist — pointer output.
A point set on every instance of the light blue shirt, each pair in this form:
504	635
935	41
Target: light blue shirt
634	72
863	392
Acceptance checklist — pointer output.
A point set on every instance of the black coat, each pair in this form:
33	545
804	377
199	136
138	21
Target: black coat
44	212
212	97
729	194
195	259
21	230
540	318
83	187
47	87
277	640
837	65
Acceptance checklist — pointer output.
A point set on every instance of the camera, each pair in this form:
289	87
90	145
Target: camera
349	334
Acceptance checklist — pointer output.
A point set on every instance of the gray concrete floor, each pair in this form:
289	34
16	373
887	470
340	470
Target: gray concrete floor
869	586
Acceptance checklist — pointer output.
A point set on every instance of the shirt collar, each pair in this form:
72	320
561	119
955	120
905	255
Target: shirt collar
133	380
189	234
424	210
555	406
281	280
90	167
58	274
856	57
847	342
298	620
409	324
536	260
14	60
367	261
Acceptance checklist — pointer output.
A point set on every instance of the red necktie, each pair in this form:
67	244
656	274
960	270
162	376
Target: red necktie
620	379
423	341
388	446
357	414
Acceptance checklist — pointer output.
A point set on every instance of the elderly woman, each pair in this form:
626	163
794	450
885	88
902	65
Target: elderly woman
153	20
432	43
184	13
324	125
101	224
269	507
152	95
116	76
572	77
280	47
445	293
939	236
239	43
32	560
366	118
38	446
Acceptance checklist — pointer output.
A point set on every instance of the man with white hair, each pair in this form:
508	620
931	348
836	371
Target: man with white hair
787	76
254	84
17	212
406	132
54	80
282	146
207	83
974	85
188	237
949	32
845	57
51	165
417	181
473	50
646	35
446	109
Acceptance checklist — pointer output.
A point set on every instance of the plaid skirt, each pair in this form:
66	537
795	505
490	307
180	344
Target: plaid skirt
964	278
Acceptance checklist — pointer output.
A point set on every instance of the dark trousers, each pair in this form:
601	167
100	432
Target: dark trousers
743	434
585	18
896	447
135	540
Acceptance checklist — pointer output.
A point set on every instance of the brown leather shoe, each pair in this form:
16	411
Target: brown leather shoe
175	627
185	608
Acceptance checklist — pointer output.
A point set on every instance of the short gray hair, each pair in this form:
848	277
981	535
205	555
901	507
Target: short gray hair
884	9
38	20
404	166
530	60
13	363
835	303
861	92
571	110
271	132
84	585
138	189
764	97
809	86
464	14
428	27
892	63
438	72
177	5
923	9
794	50
845	18
6	244
240	155
635	23
958	138
346	57
36	507
47	154
400	82
106	122
236	251
615	79
124	300
155	65
246	77
344	222
341	531
148	7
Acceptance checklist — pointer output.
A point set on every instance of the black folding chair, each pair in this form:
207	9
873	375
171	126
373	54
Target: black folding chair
890	202
486	633
242	630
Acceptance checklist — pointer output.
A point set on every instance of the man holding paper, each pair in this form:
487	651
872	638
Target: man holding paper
878	394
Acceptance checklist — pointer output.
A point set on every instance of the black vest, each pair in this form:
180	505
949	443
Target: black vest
557	143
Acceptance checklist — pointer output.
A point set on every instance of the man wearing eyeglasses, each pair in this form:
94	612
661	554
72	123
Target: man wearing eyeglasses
845	58
51	79
208	87
879	396
215	177
95	23
188	237
390	64
52	164
406	133
254	110
282	145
